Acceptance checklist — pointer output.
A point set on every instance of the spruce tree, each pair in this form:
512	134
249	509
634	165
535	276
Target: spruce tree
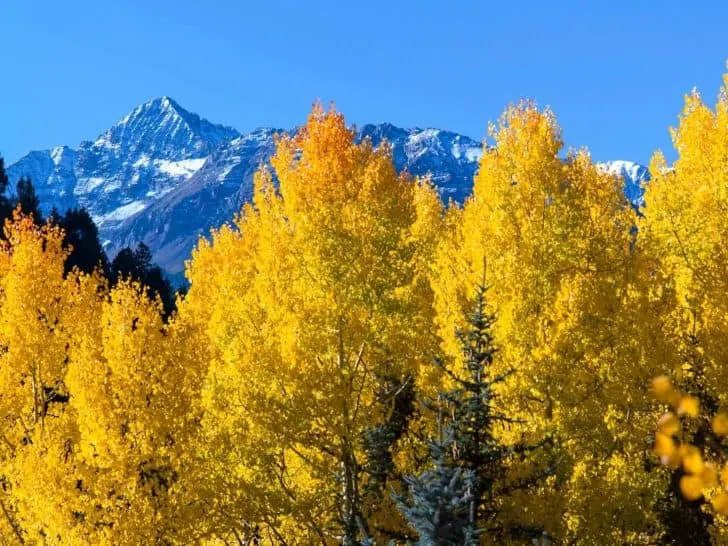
158	285
457	497
397	399
124	266
3	176
440	498
137	265
6	206
380	440
474	414
143	257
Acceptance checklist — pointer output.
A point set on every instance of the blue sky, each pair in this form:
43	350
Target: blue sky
614	72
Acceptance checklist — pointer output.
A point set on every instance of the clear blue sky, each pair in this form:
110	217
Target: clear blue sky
614	72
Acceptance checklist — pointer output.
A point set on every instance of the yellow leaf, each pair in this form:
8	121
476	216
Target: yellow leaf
662	388
691	487
664	445
719	424
692	459
720	503
672	461
668	424
689	406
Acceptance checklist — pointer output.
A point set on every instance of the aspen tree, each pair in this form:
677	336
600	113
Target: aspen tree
317	311
553	238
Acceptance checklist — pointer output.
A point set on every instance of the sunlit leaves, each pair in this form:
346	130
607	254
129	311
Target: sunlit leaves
316	308
552	237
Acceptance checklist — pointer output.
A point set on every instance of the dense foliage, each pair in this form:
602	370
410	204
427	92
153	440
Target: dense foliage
355	363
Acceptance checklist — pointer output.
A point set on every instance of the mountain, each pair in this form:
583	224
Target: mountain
635	177
165	176
215	193
153	149
212	196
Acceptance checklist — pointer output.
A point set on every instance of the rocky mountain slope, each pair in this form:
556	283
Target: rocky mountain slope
165	176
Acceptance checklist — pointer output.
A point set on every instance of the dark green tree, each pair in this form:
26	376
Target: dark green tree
472	475
439	499
3	177
158	285
143	257
137	265
473	410
6	206
82	236
55	215
124	266
397	399
27	199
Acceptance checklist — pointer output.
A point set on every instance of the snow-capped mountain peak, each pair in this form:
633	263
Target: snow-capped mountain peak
162	128
165	176
149	152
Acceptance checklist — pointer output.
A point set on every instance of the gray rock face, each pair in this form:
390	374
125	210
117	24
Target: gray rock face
165	176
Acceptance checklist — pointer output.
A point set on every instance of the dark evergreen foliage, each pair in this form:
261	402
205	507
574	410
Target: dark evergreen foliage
686	522
439	500
137	266
143	257
82	236
466	477
3	176
6	206
379	441
473	409
124	265
27	199
398	400
158	284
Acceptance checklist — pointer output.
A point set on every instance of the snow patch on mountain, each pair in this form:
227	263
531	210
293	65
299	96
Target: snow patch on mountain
184	168
122	213
153	149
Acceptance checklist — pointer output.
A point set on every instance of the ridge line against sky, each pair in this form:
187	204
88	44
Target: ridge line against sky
614	73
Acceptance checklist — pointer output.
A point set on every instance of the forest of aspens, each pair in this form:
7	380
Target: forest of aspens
356	362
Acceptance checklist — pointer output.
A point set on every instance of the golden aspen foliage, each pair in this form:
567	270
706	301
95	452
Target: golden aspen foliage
134	384
685	230
553	238
685	234
96	396
317	312
38	320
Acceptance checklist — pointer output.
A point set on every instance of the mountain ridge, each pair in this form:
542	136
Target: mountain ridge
164	176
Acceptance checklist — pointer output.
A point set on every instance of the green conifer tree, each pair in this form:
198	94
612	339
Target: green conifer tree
439	499
28	199
469	467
